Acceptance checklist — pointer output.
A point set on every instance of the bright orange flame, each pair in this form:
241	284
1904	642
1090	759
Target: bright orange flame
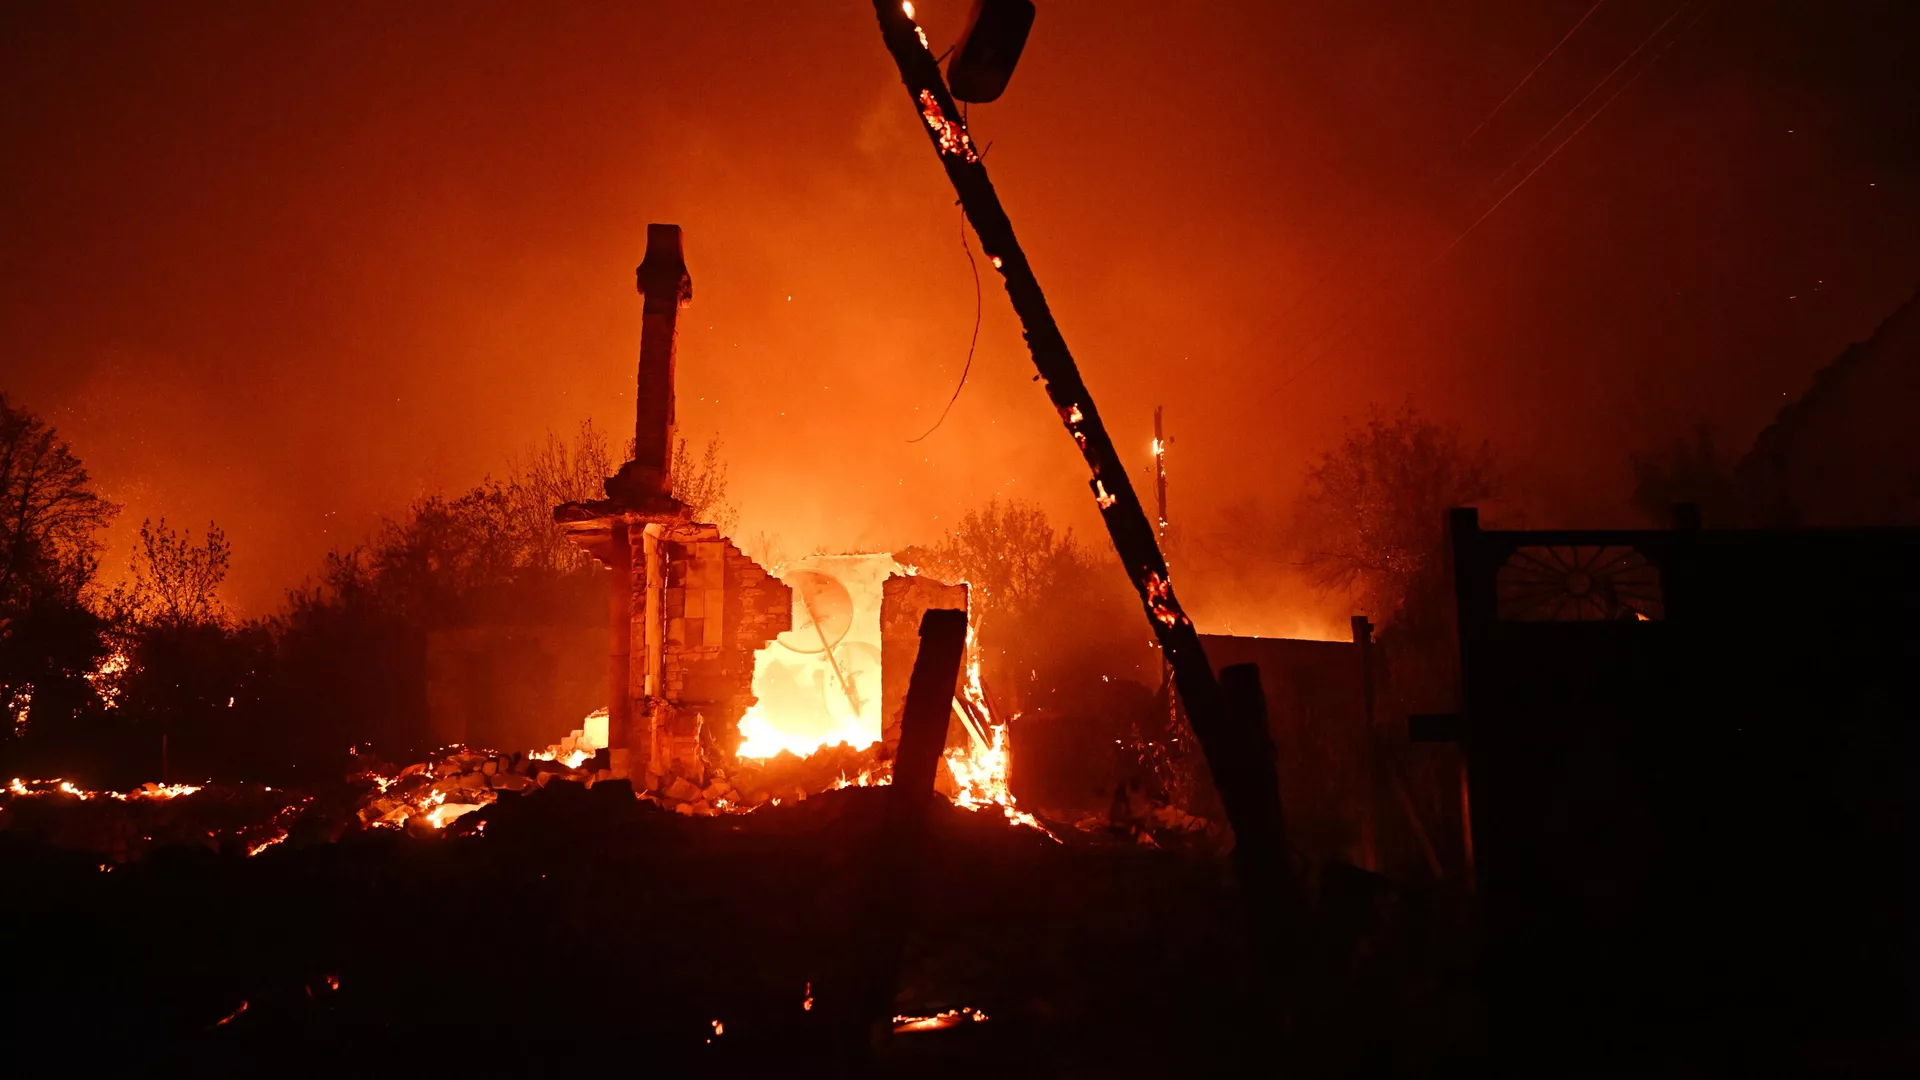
440	816
980	772
818	684
865	779
938	1021
156	791
267	843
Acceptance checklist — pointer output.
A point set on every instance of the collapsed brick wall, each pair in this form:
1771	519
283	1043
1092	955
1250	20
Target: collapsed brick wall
717	609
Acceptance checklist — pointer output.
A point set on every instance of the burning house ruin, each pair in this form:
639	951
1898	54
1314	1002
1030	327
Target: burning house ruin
711	657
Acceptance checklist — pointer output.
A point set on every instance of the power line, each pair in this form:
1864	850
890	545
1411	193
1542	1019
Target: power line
1576	131
1345	317
1536	70
1588	96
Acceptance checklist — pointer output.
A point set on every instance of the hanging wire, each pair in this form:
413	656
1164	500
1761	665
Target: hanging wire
971	345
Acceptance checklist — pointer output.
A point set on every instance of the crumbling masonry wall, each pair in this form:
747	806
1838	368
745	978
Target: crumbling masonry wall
715	609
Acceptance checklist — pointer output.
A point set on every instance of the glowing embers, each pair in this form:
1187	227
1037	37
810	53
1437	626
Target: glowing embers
58	786
952	137
903	1025
1160	600
818	684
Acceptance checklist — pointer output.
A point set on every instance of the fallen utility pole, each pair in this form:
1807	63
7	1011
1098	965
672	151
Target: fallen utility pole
1126	521
1120	509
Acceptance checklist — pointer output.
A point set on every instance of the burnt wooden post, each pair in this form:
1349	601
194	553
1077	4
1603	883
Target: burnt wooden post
890	896
1370	741
923	725
1475	606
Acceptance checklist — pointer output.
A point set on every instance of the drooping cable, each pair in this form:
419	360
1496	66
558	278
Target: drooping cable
971	345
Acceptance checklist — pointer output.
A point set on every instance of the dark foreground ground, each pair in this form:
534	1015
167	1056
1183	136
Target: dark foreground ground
588	931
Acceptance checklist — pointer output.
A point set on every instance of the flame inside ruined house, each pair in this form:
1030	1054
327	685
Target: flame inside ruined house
714	660
819	684
729	686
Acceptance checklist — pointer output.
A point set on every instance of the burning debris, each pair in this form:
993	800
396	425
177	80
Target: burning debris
429	798
732	686
126	825
939	1021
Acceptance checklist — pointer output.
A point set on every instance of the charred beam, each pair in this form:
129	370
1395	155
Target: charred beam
1261	859
890	894
923	727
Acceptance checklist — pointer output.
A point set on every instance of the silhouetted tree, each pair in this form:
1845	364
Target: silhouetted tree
1373	514
548	474
1687	470
50	518
1006	552
1050	617
702	485
175	581
185	684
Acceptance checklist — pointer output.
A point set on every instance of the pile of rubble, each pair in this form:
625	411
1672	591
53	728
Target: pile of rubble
428	796
750	783
425	798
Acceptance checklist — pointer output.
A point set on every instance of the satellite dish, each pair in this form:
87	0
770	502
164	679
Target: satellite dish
984	60
823	612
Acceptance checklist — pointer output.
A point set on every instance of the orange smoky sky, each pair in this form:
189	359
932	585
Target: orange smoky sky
289	266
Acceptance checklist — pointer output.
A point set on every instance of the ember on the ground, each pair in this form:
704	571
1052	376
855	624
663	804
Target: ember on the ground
573	925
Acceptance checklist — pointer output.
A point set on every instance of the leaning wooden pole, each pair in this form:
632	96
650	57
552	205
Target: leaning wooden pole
1126	521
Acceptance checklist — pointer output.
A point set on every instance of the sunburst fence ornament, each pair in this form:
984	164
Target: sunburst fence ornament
1578	583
